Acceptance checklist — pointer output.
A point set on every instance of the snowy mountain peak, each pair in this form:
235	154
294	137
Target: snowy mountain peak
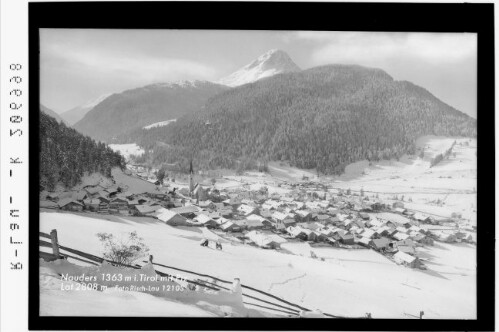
268	64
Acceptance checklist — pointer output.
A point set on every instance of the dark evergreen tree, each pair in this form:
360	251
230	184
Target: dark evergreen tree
66	154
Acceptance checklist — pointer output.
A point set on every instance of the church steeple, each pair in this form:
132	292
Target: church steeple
191	180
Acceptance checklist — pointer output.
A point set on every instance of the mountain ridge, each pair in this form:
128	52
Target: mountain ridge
77	113
323	117
51	113
138	107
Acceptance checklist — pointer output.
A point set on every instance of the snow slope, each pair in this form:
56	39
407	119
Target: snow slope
347	282
111	302
160	124
127	149
452	181
271	63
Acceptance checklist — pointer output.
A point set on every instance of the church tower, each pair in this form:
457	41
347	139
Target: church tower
191	180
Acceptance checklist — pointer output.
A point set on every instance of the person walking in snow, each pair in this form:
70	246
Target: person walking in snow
204	243
219	245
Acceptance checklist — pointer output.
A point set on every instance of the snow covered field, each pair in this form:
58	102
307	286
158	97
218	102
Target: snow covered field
452	181
448	187
111	302
347	282
127	149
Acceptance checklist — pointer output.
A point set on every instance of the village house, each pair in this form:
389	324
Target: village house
363	241
323	219
186	211
93	191
289	222
422	218
92	204
230	227
407	260
406	249
265	240
247	224
212	214
279	216
204	220
69	204
264	221
443	236
144	210
245	210
328	232
380	244
80	195
118	204
311	235
297	232
369	233
112	191
207	205
54	197
347	238
48	204
312	226
221	221
400	236
364	216
173	219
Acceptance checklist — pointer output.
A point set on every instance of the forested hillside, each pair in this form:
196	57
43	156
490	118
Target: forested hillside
325	118
136	108
66	154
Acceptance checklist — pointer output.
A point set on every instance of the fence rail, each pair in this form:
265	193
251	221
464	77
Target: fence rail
282	305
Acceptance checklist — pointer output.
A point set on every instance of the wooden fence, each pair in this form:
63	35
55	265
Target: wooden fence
263	299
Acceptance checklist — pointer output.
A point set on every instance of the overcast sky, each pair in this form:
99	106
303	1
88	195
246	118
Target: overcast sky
78	65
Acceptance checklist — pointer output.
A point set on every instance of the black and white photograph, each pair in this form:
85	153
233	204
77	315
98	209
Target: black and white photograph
283	174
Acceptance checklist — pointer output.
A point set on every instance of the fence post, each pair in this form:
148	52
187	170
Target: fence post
55	244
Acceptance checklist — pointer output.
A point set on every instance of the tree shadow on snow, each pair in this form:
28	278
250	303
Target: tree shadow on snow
438	246
433	274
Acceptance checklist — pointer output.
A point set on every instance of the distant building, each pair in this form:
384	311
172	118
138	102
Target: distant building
407	260
187	211
230	227
144	210
173	219
69	204
92	204
205	220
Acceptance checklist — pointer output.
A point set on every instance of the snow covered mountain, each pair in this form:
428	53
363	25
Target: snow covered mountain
77	113
269	64
132	109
